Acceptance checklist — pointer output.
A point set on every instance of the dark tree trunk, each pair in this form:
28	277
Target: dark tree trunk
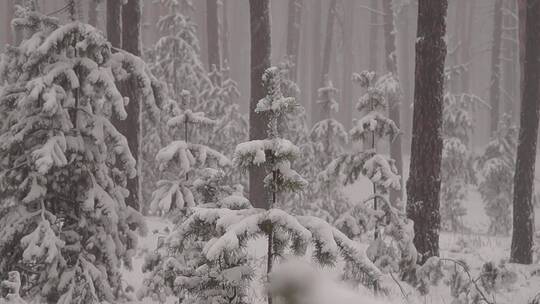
523	210
294	22
212	29
92	12
373	35
324	112
424	182
114	25
495	86
131	126
260	61
225	33
394	104
346	107
316	59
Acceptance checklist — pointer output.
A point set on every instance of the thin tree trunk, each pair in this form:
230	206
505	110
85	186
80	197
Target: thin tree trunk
495	86
405	71
114	25
316	59
424	184
394	104
523	214
131	126
92	12
325	111
225	33
468	9
510	71
212	29
373	35
260	61
294	21
346	107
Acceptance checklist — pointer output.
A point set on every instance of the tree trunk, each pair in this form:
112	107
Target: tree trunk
131	126
424	182
114	25
394	104
373	34
523	221
346	107
212	29
225	33
294	22
510	66
260	61
495	86
467	9
92	12
406	71
327	52
316	59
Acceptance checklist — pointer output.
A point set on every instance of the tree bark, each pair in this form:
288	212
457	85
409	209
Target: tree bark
212	29
260	61
131	126
225	33
114	25
495	86
294	21
324	112
373	34
394	104
523	210
423	186
346	107
316	59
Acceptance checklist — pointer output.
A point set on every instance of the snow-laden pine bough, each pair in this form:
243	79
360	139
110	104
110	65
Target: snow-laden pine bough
63	165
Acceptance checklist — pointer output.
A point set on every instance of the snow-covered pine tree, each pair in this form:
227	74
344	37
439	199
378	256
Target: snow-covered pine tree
63	166
12	285
457	158
281	229
328	137
180	268
176	59
184	162
219	100
496	167
391	247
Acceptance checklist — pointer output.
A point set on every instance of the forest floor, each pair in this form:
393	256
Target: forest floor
474	247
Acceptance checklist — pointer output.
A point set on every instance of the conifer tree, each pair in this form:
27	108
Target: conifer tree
391	247
497	171
63	166
456	172
230	230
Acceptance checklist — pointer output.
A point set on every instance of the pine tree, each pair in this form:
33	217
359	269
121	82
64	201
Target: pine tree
391	248
176	59
456	173
328	138
65	224
275	154
497	170
192	160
